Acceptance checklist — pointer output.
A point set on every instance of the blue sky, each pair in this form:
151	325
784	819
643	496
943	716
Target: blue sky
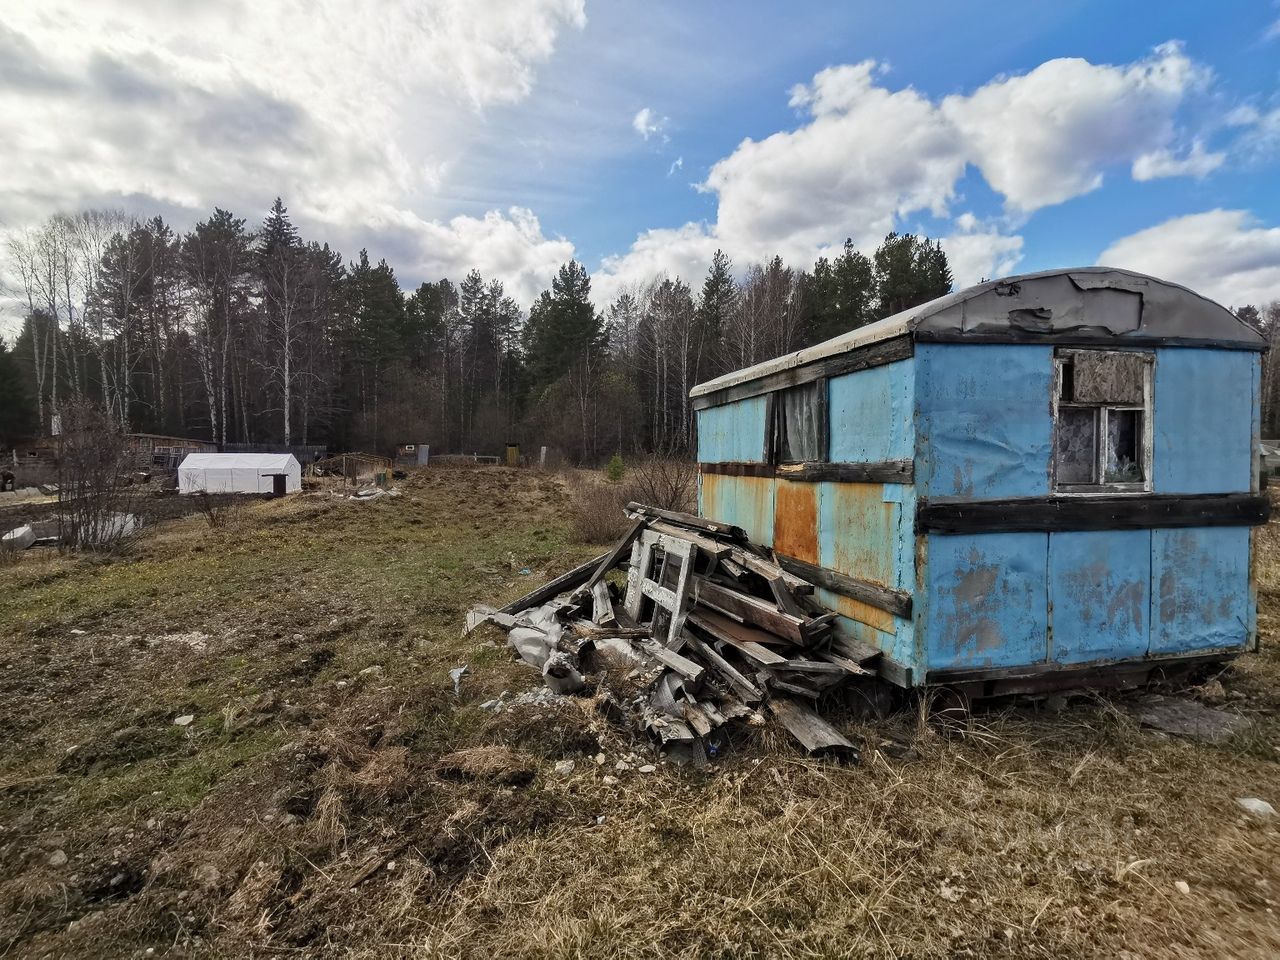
509	135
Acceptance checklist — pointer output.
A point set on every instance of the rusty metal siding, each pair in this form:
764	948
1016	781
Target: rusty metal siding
1200	589
1099	595
795	519
987	601
984	420
734	432
872	414
1204	415
744	501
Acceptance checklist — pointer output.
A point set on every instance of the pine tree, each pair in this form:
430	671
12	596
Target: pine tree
563	327
909	271
715	310
17	412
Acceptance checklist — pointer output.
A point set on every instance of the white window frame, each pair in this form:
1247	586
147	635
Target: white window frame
1145	443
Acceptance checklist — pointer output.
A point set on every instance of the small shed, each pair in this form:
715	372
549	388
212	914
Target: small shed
1040	481
276	473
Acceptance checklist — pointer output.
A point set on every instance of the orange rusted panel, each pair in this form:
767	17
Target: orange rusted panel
744	501
795	525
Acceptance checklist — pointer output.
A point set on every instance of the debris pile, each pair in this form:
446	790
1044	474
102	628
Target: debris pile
708	629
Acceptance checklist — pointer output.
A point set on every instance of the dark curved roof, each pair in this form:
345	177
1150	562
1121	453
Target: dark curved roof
1094	302
1080	305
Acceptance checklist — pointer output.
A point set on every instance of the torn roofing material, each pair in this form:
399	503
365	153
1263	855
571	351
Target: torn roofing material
1082	304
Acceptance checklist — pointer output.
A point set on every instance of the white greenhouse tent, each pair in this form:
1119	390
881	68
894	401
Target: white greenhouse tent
239	473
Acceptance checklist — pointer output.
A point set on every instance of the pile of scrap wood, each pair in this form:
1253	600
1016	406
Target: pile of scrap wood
708	630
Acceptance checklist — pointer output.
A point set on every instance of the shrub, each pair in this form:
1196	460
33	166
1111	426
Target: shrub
99	508
596	510
614	470
669	483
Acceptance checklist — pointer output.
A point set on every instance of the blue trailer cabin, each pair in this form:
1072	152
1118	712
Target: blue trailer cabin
1042	481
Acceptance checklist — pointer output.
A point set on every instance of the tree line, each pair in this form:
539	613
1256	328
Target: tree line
244	335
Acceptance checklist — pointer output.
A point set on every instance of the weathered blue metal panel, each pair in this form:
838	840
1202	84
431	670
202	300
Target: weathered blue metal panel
866	530
1204	412
984	420
872	414
987	604
733	432
1099	594
1201	581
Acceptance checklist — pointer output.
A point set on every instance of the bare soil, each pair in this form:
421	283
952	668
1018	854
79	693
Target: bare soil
331	796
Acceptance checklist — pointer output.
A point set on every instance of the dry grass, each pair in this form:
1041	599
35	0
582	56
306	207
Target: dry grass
597	504
317	807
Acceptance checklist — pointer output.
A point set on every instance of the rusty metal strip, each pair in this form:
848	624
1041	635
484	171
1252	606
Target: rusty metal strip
897	602
860	358
1112	512
887	471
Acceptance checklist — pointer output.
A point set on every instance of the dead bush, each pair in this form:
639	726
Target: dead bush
99	507
596	510
670	483
218	510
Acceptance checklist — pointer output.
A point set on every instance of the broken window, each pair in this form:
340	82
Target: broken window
800	423
1102	415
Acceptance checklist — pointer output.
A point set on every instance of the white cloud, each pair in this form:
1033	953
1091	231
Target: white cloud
1048	135
866	157
676	164
173	109
1197	163
683	252
980	252
1224	254
1272	32
649	124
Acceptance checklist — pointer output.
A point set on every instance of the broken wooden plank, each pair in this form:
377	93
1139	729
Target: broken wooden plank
602	606
725	670
785	598
688	520
721	625
861	653
806	666
691	671
897	602
697	719
712	548
769	570
753	610
553	588
817	736
793	688
849	666
612	558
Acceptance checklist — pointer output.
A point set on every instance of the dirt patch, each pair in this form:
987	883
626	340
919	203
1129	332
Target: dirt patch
333	796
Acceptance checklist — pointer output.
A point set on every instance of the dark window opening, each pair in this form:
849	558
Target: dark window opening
800	423
1102	415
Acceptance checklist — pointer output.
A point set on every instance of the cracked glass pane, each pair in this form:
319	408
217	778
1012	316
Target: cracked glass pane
1124	453
1077	445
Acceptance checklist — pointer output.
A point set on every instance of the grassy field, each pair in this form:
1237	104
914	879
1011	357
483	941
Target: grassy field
331	796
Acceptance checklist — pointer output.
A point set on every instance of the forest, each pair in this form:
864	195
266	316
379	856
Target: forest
258	335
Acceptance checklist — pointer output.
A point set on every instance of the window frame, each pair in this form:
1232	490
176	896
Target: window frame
1102	434
773	420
